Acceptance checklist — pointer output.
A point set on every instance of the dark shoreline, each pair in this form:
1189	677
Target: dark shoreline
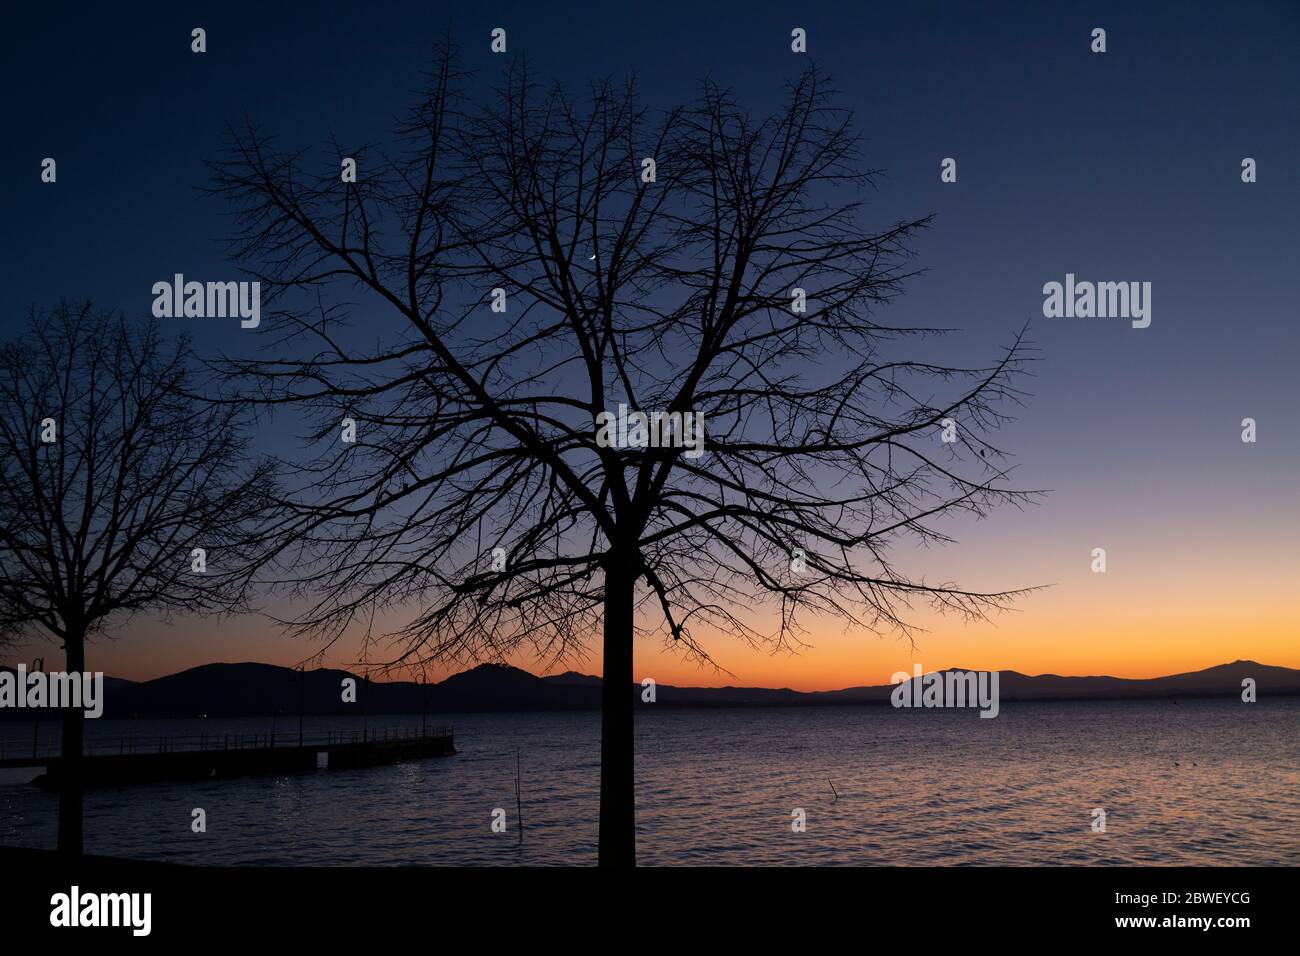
265	690
22	717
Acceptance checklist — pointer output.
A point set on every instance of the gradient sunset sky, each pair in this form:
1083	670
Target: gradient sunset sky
1123	166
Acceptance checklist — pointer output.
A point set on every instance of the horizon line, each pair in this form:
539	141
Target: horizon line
543	676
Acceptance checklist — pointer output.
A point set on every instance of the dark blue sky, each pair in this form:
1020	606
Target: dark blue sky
1121	166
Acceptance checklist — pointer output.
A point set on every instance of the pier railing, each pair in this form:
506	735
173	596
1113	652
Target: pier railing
188	743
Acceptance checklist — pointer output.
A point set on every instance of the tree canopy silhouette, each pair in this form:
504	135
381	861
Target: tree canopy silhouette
521	269
111	474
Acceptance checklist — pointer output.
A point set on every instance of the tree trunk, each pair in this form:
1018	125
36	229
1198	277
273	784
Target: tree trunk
72	788
617	783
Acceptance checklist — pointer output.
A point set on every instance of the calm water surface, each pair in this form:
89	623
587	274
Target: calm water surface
1201	782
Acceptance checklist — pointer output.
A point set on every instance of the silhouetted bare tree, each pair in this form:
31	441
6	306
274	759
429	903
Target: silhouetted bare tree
110	476
673	287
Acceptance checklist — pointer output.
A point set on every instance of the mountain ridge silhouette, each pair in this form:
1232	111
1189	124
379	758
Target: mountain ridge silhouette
254	689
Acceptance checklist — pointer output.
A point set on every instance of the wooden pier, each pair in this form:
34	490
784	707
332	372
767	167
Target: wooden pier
217	756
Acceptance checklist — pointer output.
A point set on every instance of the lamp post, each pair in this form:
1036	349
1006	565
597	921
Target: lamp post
365	708
37	665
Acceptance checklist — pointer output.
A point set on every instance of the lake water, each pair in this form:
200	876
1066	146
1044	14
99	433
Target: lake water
1200	782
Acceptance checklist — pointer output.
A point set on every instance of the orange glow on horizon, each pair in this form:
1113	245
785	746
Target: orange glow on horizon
1148	617
1140	643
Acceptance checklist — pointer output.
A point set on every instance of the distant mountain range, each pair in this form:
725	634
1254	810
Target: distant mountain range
240	690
